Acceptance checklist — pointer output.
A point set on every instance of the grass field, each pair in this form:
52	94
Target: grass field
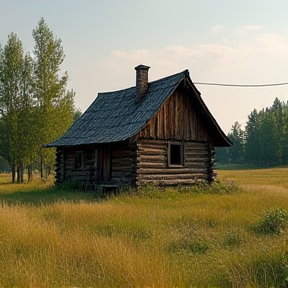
230	234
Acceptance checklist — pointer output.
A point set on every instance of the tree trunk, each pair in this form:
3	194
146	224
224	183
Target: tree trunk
29	171
41	165
18	173
13	172
21	172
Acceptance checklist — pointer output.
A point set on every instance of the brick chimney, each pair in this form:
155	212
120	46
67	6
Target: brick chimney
141	82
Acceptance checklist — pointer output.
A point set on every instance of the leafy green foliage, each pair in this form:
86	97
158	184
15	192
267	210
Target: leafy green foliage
263	142
55	105
273	222
35	106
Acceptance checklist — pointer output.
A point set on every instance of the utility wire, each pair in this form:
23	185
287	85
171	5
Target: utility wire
242	85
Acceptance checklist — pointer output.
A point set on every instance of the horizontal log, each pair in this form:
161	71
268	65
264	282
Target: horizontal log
153	147
151	152
171	182
152	158
146	170
203	152
196	151
198	167
197	160
151	165
158	177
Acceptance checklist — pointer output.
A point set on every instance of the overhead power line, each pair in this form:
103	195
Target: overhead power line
242	85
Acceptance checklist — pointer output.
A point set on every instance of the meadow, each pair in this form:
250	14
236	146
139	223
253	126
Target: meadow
229	234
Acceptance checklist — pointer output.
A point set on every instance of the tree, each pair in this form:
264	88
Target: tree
77	114
11	67
55	105
35	106
284	140
27	119
236	151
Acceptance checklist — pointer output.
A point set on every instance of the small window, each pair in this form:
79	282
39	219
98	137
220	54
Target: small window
78	160
175	154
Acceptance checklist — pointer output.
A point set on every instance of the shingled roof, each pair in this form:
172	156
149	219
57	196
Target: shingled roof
114	116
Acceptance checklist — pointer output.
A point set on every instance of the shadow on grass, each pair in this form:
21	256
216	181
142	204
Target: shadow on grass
45	196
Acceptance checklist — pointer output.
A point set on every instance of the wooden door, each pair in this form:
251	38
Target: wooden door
105	163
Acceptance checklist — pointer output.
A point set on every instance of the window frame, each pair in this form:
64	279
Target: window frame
181	156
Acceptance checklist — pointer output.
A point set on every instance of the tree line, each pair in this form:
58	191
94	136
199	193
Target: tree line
35	105
263	142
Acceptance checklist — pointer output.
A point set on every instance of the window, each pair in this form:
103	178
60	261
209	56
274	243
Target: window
175	154
78	162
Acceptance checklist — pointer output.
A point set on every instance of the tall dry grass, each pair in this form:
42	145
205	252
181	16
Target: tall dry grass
197	237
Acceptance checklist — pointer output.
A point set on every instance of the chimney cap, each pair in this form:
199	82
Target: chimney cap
142	67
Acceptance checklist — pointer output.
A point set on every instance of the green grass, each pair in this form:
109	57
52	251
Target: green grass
230	234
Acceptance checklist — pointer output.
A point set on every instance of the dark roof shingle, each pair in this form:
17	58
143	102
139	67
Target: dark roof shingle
114	116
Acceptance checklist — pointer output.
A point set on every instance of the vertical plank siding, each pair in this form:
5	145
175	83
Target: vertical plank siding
176	119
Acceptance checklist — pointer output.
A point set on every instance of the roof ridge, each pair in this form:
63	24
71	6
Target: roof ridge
184	72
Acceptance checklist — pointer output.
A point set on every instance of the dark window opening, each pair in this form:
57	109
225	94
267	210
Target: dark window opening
78	161
176	154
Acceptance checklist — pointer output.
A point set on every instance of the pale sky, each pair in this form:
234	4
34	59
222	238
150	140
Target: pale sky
220	41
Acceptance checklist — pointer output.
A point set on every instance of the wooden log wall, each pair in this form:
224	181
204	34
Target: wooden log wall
211	162
152	163
60	167
88	172
122	164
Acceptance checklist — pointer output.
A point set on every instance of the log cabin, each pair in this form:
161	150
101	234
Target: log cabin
155	132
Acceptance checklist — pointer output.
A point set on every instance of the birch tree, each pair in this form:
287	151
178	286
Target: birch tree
11	61
55	105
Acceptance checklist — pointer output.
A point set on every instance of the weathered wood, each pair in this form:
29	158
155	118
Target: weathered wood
159	177
174	171
150	165
178	118
151	151
172	182
145	156
152	158
198	160
144	146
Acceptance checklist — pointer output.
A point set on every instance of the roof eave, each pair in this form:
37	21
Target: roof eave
224	140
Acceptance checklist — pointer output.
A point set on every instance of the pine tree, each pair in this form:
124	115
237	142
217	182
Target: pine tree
236	151
252	140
